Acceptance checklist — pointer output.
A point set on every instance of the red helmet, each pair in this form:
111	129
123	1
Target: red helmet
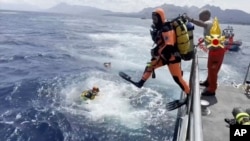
95	89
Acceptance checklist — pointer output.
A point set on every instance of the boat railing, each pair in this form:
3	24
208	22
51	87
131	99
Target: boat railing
188	124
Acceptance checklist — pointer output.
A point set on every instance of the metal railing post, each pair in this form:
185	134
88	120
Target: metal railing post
196	107
188	124
246	74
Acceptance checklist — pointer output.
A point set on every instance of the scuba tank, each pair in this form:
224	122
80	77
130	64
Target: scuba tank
182	37
241	116
190	29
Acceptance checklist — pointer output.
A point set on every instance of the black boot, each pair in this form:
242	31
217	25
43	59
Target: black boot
204	83
207	93
140	83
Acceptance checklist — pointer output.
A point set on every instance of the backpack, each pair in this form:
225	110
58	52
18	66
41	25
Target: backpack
184	37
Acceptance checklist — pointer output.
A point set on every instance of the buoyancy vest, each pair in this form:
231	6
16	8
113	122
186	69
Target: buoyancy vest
88	94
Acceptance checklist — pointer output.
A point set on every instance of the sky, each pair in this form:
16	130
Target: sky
134	5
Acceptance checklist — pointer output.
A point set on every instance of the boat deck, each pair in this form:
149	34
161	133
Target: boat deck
221	106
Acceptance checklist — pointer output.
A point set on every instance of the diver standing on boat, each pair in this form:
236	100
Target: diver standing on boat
215	55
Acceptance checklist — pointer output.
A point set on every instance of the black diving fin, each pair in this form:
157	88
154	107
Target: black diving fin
176	104
128	78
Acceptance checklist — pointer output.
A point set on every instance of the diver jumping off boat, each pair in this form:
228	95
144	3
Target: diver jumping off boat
165	53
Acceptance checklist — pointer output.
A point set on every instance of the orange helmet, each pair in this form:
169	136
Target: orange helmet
161	14
95	89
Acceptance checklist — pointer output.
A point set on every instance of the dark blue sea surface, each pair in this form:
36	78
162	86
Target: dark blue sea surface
47	60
